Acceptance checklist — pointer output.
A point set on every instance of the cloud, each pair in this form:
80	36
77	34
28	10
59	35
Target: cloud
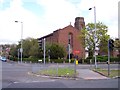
106	12
11	30
1	1
57	14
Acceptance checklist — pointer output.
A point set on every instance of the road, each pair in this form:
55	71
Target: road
16	76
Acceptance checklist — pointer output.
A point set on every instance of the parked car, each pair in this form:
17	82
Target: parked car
3	59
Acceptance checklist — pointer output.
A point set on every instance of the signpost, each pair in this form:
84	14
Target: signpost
75	52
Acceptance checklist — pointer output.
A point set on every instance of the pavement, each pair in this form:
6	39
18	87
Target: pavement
84	74
89	74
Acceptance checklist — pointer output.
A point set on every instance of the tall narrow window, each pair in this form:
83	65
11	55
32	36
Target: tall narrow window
70	39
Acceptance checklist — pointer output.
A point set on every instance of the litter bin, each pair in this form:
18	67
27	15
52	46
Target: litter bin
76	62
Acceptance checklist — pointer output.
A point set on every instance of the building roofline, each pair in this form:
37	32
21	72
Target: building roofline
51	34
45	36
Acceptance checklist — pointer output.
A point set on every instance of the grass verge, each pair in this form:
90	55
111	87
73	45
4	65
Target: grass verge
113	73
58	72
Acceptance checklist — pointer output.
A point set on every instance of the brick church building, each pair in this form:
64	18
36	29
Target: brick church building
68	35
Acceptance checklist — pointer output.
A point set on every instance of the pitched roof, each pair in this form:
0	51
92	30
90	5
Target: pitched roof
51	34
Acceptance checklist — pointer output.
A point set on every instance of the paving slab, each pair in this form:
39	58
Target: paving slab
89	74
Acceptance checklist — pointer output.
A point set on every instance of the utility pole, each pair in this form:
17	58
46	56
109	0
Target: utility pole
95	35
18	55
21	49
44	51
110	48
108	59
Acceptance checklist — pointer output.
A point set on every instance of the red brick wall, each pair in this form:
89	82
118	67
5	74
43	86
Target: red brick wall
61	37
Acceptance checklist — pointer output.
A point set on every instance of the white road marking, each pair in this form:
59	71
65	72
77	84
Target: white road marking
35	81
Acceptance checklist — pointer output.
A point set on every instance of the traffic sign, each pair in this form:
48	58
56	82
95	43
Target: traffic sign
76	51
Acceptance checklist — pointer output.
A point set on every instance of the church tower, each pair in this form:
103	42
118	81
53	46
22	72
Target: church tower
79	23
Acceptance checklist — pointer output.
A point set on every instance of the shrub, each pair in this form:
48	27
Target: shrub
61	60
105	59
115	59
101	59
13	58
57	60
87	60
32	59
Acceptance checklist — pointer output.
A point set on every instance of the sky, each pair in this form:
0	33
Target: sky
42	17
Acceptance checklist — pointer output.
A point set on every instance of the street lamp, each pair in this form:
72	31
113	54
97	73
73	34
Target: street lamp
94	34
21	50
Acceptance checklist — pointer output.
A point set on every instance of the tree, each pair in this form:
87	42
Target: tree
26	44
30	48
91	37
117	46
13	51
56	51
103	46
34	50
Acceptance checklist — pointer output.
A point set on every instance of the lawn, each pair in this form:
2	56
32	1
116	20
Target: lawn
113	73
60	72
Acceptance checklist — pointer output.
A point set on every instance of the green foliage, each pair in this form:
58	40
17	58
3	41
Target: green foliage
89	34
30	48
115	59
56	51
113	73
101	59
117	43
31	59
31	51
13	50
59	60
117	46
105	59
61	72
13	58
87	60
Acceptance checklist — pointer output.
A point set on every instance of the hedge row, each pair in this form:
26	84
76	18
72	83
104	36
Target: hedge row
87	60
61	61
35	60
101	59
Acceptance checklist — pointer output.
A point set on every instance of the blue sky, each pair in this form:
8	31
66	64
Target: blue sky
41	17
34	7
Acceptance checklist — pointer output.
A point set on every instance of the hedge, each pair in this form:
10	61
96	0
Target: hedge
33	60
87	60
13	58
61	60
102	59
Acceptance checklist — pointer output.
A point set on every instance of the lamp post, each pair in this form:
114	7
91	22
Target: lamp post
94	35
18	55
44	51
21	50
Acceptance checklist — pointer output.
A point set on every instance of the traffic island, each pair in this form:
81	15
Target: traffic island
104	72
67	73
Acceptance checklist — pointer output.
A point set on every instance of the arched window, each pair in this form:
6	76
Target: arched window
70	39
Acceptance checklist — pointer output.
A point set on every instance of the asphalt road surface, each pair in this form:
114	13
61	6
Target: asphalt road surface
16	75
